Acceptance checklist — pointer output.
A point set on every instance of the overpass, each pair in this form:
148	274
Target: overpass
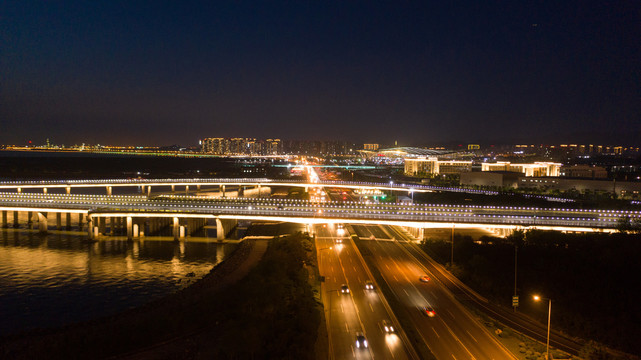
145	212
220	183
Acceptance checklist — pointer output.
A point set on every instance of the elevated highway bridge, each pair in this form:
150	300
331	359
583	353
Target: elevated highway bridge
420	216
197	184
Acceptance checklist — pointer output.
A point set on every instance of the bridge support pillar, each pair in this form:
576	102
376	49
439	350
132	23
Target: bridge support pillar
175	230
42	222
173	189
222	190
421	234
260	188
19	190
186	189
102	224
148	190
29	220
68	190
198	188
130	230
44	190
90	229
224	227
80	221
112	225
109	190
68	221
4	219
16	218
58	221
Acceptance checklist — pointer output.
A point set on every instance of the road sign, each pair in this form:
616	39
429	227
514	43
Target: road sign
515	301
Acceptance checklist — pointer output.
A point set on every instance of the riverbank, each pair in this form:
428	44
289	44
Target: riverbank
181	313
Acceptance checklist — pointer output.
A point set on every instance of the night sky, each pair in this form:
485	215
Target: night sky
426	72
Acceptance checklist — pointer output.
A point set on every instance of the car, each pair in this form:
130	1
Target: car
361	341
344	289
424	278
339	241
428	311
369	285
387	327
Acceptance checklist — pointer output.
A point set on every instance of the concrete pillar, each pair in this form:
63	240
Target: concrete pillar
68	221
109	191
181	231
4	219
42	222
142	189
224	226
259	190
29	221
421	234
148	190
175	228
220	231
90	229
173	189
112	225
102	224
306	188
198	188
16	224
44	190
19	190
130	230
68	190
81	221
222	190
186	189
136	231
58	221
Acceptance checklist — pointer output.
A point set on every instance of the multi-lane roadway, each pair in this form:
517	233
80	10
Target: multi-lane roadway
350	307
452	332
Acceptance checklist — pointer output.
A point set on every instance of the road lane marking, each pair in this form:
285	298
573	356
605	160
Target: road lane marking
449	312
437	335
370	306
406	293
472	336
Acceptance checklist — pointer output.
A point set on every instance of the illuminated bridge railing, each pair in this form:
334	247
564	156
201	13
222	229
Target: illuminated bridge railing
255	181
304	209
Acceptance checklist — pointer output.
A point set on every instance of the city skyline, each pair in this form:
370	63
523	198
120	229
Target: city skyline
155	74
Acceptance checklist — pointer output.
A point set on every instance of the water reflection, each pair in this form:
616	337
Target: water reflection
60	278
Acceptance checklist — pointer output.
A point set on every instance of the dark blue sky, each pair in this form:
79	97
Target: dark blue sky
157	73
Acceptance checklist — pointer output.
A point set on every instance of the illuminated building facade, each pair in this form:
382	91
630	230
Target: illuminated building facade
433	166
534	169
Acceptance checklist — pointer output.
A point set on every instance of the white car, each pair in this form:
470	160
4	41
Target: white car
344	289
369	285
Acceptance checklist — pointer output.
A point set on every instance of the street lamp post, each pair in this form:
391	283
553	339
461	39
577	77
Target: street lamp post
547	345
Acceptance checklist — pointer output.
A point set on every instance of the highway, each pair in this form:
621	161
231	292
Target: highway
516	321
362	310
452	333
422	215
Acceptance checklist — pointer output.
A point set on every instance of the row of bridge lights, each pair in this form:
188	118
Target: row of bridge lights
352	204
306	205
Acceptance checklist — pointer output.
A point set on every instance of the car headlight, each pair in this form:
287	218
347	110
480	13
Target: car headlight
365	343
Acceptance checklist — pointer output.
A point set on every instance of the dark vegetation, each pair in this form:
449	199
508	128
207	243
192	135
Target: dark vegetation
592	279
270	313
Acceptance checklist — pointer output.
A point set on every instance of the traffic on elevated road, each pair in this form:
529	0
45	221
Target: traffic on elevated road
417	215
